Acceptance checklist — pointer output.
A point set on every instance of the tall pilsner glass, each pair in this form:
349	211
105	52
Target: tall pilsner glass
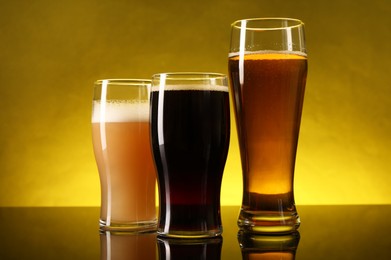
267	69
120	132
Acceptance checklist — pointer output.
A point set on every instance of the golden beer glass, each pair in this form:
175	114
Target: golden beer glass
267	70
120	134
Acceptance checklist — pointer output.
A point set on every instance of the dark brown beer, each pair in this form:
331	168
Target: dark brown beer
190	131
269	91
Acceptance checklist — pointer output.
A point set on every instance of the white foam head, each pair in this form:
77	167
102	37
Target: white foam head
120	111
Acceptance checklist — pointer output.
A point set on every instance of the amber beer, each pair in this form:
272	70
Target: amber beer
268	104
190	129
120	132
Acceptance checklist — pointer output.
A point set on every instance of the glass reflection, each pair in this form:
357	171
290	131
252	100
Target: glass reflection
122	245
262	247
207	248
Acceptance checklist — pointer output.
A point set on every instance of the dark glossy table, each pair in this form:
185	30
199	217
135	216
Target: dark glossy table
326	232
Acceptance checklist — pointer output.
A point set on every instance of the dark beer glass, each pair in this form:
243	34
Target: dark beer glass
267	69
190	130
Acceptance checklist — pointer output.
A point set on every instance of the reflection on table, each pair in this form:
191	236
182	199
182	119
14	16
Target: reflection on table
206	248
122	246
327	232
268	247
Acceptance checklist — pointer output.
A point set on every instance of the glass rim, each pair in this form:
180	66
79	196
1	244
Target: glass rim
189	75
296	23
123	81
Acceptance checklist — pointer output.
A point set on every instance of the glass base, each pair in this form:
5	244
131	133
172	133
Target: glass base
268	222
190	234
141	226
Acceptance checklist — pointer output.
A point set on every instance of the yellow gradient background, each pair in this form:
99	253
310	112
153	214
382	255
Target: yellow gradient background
51	52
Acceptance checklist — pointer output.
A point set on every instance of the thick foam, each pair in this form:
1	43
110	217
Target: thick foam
299	53
192	87
120	111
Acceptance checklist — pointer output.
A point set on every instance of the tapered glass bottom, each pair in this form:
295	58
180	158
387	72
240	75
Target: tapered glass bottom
268	222
140	226
190	234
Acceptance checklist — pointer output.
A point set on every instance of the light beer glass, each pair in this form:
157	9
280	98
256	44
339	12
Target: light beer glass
120	134
190	130
267	69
